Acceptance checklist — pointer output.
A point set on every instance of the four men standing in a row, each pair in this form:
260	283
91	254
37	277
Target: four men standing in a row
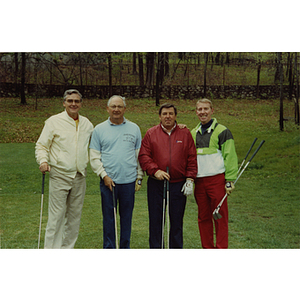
119	156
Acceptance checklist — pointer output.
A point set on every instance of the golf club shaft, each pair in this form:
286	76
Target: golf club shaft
259	146
168	211
247	154
41	214
163	214
115	217
221	202
239	174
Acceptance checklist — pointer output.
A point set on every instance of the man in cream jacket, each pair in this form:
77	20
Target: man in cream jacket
62	150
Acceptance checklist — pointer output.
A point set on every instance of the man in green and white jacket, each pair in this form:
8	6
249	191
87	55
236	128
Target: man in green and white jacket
217	169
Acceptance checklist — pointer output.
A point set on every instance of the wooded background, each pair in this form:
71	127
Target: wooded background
152	70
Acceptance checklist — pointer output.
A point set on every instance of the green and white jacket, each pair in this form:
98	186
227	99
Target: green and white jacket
215	151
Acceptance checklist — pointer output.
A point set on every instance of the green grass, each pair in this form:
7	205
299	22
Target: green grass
264	209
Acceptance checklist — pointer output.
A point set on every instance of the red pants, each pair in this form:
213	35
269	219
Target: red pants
209	191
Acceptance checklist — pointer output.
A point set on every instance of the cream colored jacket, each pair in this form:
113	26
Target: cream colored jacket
62	146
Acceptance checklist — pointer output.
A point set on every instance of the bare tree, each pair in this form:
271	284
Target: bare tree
134	72
23	72
60	62
205	69
258	79
180	56
16	59
109	73
141	69
166	64
296	71
80	68
279	56
159	75
150	60
217	59
290	74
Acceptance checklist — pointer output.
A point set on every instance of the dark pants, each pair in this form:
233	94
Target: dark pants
125	194
155	207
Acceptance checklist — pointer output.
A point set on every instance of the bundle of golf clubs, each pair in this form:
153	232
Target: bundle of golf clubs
216	214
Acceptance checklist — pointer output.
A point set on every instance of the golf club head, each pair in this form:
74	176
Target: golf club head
216	215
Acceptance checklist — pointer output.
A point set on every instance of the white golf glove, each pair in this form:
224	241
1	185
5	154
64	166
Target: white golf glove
229	187
187	188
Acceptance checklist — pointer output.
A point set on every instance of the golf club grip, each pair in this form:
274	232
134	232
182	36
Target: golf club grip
257	150
250	148
113	195
43	183
168	180
165	187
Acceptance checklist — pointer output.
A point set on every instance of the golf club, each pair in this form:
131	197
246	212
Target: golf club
163	215
247	155
168	210
115	216
41	214
216	214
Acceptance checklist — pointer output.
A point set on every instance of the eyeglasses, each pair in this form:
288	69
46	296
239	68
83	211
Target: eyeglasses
116	106
71	101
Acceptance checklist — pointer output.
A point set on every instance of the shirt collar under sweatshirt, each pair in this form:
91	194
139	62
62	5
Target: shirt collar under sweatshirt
165	129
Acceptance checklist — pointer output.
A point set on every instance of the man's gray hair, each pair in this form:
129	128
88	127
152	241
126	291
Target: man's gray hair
116	96
70	92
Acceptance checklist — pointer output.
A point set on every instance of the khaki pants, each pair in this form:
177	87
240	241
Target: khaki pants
66	197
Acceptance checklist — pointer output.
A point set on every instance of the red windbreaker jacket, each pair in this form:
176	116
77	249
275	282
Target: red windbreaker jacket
176	151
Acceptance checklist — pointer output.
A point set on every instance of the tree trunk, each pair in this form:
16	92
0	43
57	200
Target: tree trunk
23	98
36	81
80	69
296	71
227	61
141	69
16	55
150	59
217	59
134	72
51	74
281	90
167	68
277	71
159	76
109	74
161	62
290	75
258	79
121	67
205	69
176	68
161	67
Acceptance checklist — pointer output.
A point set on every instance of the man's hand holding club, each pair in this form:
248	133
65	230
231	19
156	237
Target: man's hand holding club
161	175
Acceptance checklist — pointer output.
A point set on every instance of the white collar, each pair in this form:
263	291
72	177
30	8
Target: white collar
164	128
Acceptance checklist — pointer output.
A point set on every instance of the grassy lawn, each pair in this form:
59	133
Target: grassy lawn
264	209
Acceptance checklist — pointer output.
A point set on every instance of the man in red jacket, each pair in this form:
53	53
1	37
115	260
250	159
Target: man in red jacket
166	145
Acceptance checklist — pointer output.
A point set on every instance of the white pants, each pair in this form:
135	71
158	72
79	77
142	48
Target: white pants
66	197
